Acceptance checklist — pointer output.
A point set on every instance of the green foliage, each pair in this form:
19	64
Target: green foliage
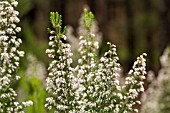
88	19
56	21
35	91
31	85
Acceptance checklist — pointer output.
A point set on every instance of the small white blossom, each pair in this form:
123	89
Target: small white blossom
64	37
18	29
28	103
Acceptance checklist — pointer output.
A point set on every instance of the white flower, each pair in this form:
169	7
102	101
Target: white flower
10	31
116	82
21	53
18	29
50	100
64	37
120	95
28	103
96	45
15	3
81	72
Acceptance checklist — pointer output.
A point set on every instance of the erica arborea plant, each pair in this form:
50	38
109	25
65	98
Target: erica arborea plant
93	85
9	57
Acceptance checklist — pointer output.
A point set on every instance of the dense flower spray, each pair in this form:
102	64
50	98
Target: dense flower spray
9	57
92	86
157	98
60	73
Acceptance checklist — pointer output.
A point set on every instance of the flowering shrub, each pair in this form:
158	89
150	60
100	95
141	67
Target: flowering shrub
157	98
92	86
9	58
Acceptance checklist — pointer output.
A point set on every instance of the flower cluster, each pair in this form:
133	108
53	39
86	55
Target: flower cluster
134	84
86	70
60	76
157	97
92	86
82	31
9	57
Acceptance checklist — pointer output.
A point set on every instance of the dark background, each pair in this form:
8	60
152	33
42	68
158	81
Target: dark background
135	26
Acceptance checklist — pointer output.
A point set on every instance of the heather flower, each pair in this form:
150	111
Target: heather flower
157	97
134	84
82	31
93	85
59	81
9	57
94	29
